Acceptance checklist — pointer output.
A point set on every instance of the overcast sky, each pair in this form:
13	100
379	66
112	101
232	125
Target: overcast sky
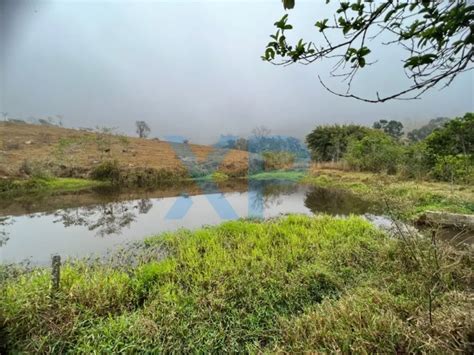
189	68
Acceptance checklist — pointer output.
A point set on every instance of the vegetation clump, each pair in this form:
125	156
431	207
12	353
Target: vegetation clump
278	160
293	284
375	152
219	176
39	185
108	170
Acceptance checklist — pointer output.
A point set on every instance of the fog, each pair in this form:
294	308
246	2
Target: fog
189	68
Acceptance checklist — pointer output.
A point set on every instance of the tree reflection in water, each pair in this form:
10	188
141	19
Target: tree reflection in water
4	221
337	202
267	193
105	219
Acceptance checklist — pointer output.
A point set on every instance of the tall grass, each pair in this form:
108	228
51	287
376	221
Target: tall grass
292	284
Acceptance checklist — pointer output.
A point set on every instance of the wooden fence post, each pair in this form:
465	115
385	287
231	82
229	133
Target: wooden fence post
56	273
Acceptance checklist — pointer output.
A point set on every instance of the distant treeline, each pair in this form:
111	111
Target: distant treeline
263	144
48	121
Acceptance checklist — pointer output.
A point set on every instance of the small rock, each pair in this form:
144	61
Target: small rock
28	142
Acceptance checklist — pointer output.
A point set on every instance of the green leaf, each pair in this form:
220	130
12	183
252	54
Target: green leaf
364	51
288	4
388	15
322	25
269	54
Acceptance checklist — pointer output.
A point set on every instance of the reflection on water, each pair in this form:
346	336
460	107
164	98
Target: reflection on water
337	202
4	221
103	219
93	222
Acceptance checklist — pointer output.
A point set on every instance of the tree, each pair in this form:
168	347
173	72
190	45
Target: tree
44	122
241	144
455	137
142	129
261	132
450	150
60	120
329	143
375	152
418	134
437	36
392	128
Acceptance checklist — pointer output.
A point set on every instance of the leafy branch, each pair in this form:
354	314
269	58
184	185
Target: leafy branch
437	36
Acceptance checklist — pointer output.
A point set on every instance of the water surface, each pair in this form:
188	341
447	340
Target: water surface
92	222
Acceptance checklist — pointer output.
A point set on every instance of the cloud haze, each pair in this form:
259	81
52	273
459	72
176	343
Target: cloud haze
189	68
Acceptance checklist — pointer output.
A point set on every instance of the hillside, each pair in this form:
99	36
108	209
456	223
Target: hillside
26	148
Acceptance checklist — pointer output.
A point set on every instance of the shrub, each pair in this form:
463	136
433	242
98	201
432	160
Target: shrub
415	161
107	170
278	160
454	168
375	152
218	176
35	169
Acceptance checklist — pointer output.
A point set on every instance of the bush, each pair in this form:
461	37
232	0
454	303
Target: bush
107	171
454	168
375	152
35	169
278	160
415	161
218	176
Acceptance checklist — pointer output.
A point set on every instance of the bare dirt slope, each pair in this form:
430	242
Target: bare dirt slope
80	151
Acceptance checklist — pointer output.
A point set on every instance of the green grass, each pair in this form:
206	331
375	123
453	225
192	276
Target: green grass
279	175
216	177
47	185
293	284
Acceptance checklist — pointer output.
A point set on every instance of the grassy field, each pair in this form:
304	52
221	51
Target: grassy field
295	284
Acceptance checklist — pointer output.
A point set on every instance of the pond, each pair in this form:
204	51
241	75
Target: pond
96	221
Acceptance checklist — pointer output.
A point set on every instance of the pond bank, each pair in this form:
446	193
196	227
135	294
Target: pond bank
18	187
294	284
402	198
